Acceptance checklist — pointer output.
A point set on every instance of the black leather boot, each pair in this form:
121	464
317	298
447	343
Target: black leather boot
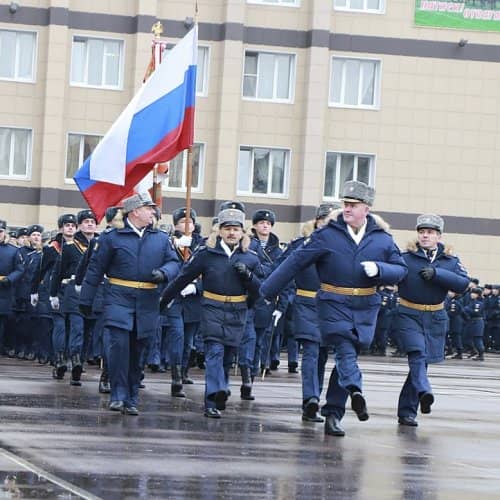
104	386
60	367
246	384
186	379
76	370
176	387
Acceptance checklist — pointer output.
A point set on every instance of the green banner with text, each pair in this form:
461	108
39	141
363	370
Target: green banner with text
479	15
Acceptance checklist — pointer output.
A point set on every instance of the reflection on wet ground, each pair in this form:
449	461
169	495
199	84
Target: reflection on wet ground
64	437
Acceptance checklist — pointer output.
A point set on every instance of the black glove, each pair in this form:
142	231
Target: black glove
4	282
242	270
427	273
85	309
157	276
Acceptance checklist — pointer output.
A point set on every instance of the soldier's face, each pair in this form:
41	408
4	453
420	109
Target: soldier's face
428	238
88	226
35	238
231	235
22	240
263	228
355	213
68	229
181	225
143	216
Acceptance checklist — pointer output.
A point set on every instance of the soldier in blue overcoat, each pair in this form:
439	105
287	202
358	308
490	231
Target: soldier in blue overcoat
228	271
474	321
353	255
135	259
11	270
455	311
421	319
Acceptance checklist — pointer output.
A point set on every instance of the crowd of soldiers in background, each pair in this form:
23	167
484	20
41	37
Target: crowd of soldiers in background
29	328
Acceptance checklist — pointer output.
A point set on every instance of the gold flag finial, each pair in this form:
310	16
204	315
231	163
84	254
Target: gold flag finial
157	29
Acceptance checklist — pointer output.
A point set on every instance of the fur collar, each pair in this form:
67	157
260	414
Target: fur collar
381	223
212	240
413	247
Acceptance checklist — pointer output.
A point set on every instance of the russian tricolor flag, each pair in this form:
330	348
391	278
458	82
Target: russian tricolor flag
155	126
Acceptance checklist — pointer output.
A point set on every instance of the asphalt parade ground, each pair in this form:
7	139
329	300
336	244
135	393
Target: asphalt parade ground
58	441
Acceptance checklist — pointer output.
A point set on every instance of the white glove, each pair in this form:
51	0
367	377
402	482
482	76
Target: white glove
183	241
371	269
34	299
189	290
276	316
54	303
78	289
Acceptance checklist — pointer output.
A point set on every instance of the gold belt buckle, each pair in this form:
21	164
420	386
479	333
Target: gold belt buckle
355	291
427	307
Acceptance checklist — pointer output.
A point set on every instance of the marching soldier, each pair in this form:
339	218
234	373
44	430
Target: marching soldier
474	321
62	284
136	259
421	318
66	224
353	255
11	270
267	315
228	271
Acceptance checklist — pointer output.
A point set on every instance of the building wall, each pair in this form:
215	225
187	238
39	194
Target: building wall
435	135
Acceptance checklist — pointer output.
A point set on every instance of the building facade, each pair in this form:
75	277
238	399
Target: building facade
293	98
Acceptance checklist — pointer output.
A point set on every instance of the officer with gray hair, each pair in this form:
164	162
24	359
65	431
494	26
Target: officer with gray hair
421	318
353	254
136	258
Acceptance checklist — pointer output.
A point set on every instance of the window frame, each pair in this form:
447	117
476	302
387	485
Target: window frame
199	189
121	66
288	169
361	11
16	64
293	76
70	180
270	3
29	155
377	84
373	163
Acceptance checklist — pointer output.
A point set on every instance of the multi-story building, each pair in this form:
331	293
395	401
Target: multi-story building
294	98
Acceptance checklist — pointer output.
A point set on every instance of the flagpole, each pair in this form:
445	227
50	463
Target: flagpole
189	168
157	30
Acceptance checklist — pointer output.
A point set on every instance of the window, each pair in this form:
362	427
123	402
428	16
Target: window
263	171
289	3
202	72
97	62
360	5
176	179
343	167
354	82
17	55
15	153
268	76
80	146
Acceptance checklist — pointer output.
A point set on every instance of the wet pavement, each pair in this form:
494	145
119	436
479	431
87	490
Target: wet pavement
58	441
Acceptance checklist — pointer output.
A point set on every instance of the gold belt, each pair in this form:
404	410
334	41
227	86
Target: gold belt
348	291
305	293
421	307
224	298
133	284
1	277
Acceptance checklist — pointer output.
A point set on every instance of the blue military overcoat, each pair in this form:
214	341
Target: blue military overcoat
122	254
338	262
11	266
222	322
425	331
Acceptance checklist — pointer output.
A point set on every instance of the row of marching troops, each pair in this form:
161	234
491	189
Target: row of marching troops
473	322
146	294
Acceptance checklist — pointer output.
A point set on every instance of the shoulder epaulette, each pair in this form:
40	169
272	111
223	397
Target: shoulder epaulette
55	245
252	252
109	229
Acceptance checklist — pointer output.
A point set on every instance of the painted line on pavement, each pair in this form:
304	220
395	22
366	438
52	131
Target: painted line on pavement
47	475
